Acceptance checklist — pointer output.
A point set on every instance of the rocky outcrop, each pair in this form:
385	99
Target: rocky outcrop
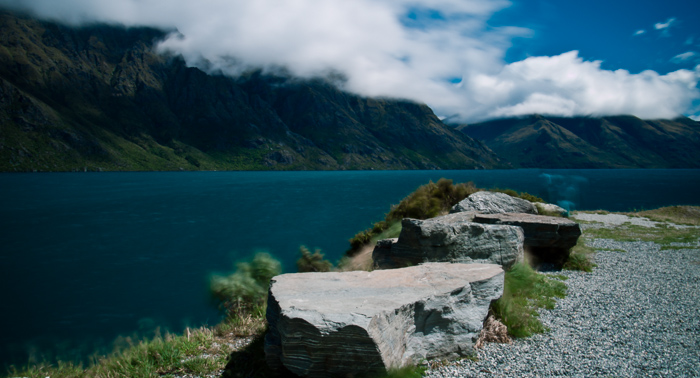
345	324
548	239
451	238
493	203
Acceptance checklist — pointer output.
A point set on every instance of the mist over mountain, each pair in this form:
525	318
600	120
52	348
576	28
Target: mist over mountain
585	142
99	98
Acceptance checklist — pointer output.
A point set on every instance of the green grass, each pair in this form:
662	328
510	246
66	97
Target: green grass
661	234
687	215
196	352
580	257
524	292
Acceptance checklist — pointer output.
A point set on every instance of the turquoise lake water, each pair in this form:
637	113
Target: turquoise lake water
85	257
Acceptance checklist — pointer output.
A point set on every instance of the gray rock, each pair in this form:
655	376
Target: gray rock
344	324
550	209
547	239
493	203
451	238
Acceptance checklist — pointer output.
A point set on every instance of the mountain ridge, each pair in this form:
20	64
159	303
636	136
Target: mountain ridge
623	141
99	98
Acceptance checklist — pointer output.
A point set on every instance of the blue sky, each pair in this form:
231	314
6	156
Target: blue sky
470	60
630	35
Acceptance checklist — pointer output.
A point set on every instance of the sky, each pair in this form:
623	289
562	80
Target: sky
469	60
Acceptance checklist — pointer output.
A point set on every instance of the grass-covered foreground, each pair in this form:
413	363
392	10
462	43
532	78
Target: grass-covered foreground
234	348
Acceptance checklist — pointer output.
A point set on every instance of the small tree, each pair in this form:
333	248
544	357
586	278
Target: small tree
315	262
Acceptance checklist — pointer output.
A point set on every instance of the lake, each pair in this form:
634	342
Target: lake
86	257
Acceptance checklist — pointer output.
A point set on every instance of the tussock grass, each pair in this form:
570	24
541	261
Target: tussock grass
428	201
312	262
525	291
580	257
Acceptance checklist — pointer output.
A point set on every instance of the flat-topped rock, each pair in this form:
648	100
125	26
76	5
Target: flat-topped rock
343	324
451	238
549	239
493	203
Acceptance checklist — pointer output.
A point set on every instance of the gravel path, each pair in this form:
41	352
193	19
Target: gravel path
636	315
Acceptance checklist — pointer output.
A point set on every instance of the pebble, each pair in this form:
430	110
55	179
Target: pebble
636	315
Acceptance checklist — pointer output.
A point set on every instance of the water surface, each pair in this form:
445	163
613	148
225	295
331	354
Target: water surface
85	257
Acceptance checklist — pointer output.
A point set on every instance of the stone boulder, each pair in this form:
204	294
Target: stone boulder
547	239
550	209
450	238
493	203
350	323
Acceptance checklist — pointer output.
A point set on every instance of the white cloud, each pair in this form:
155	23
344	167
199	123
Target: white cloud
640	32
664	25
568	85
382	54
680	58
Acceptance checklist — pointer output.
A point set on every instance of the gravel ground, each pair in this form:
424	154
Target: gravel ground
636	315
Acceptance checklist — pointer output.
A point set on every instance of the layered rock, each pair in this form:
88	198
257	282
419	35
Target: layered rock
493	203
548	239
344	324
451	238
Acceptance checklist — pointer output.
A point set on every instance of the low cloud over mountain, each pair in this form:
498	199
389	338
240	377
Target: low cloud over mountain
445	53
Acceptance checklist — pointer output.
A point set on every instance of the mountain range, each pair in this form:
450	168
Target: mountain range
100	98
537	141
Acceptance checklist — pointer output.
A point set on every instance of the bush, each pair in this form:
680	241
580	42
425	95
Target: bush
315	262
428	201
431	200
245	290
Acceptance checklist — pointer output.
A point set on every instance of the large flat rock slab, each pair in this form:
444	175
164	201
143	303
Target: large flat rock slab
493	203
549	239
343	324
451	238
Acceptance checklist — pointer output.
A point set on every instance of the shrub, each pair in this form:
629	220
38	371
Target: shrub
315	262
428	201
245	290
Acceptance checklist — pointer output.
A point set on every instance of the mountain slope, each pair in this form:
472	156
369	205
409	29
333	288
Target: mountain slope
584	142
100	98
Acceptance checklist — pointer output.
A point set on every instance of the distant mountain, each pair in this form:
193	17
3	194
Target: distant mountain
99	98
586	142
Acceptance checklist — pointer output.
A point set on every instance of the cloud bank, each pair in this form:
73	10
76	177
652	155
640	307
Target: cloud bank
440	52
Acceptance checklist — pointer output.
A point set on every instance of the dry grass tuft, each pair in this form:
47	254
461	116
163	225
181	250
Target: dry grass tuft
493	332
